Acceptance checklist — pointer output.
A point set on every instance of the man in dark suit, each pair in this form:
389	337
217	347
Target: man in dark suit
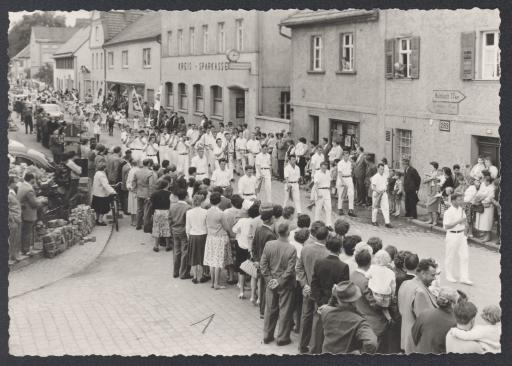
359	176
141	187
412	183
29	204
327	272
278	269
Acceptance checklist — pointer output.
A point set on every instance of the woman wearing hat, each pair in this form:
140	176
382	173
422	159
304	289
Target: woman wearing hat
101	192
345	329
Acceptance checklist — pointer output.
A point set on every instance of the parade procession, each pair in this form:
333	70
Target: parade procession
227	183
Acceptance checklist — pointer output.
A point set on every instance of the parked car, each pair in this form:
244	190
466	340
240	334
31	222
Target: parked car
22	154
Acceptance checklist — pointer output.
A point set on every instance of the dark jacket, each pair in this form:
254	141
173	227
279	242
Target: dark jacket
360	168
327	272
412	180
278	263
346	331
430	329
262	235
310	253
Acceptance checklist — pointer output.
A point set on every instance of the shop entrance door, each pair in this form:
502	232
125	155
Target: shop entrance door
345	133
237	106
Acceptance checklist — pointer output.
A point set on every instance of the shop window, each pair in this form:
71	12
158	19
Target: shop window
146	57
169	95
402	58
182	97
491	56
198	98
124	58
316	53
217	109
403	146
347	52
284	105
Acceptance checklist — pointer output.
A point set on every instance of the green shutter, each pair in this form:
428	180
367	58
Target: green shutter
389	58
415	57
467	58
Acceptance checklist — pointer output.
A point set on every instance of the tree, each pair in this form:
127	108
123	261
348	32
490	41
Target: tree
19	35
45	74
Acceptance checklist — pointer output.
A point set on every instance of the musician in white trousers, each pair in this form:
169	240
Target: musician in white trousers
379	184
291	186
181	153
455	223
200	162
247	187
253	149
322	187
263	164
345	184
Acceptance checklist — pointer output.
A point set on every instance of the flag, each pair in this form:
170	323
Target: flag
158	98
99	97
136	102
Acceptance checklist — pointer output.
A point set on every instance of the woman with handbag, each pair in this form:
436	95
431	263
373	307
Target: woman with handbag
484	220
160	202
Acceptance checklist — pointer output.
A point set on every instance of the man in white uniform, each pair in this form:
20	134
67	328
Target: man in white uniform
253	148
345	184
317	159
335	152
455	223
137	144
222	176
380	196
164	146
201	164
241	152
291	186
322	186
181	154
247	187
263	172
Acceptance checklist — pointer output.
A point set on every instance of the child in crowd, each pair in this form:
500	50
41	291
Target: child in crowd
488	334
381	281
398	193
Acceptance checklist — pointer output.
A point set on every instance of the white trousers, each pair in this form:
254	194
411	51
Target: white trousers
384	207
250	158
295	196
266	186
323	202
182	164
348	190
456	244
164	153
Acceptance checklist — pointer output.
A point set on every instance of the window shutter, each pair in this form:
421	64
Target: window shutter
389	57
467	65
415	57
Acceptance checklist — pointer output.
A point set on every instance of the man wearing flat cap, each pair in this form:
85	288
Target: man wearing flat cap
345	329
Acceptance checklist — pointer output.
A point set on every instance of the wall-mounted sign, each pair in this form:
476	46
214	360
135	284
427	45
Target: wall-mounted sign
448	96
444	125
203	66
445	108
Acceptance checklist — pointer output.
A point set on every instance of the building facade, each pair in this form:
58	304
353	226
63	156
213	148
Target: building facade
231	66
44	41
104	27
133	61
20	64
73	64
417	84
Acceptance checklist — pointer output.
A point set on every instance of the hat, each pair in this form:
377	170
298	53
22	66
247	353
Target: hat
449	294
346	291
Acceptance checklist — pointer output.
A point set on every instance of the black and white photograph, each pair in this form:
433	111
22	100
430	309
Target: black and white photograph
249	182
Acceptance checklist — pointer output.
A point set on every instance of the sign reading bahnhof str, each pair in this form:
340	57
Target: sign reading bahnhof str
449	96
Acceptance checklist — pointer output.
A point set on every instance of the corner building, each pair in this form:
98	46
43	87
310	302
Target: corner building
417	84
233	66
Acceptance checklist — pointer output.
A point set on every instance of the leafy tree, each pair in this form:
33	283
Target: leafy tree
19	35
45	74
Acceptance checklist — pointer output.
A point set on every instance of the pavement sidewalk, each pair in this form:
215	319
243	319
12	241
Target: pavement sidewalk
46	271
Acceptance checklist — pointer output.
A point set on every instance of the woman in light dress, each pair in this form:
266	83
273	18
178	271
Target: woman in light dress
132	194
484	221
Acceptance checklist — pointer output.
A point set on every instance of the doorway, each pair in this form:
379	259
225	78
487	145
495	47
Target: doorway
237	106
346	133
487	146
315	125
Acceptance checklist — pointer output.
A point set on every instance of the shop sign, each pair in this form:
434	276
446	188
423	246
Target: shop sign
445	108
203	66
448	96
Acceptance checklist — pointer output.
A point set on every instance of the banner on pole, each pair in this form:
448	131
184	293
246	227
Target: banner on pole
137	105
158	98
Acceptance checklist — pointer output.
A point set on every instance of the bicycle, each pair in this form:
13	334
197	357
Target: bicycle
115	203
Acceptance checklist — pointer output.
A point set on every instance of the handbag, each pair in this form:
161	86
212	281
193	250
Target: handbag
479	208
249	268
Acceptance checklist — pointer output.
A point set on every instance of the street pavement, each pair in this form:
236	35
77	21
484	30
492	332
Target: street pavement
127	302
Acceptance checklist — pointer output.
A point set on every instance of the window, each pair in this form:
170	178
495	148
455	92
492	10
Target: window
285	105
404	58
110	56
97	33
146	57
192	41
316	53
198	99
239	34
169	43
169	95
491	56
403	146
124	58
221	37
347	52
315	121
182	96
180	41
217	100
205	39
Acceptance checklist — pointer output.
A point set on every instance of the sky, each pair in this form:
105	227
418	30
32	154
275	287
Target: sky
71	16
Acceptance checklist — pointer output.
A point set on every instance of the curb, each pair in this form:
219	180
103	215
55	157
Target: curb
83	268
489	245
27	261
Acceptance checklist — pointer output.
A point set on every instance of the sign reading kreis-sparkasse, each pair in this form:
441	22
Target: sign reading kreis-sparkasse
203	66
